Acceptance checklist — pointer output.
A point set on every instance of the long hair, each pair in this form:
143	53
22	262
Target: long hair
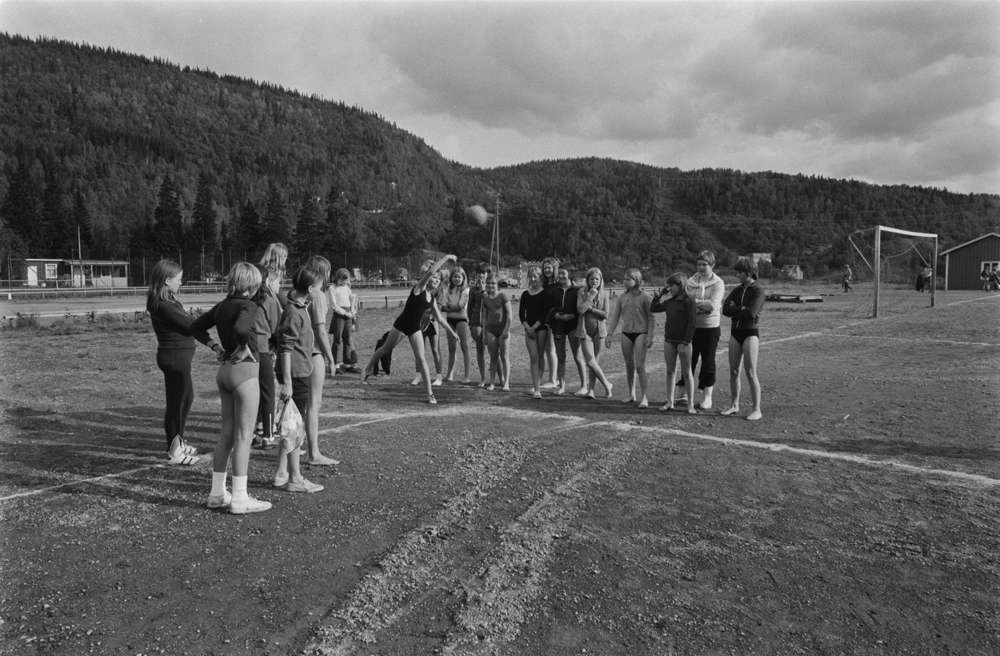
465	279
274	258
586	278
554	262
680	279
158	291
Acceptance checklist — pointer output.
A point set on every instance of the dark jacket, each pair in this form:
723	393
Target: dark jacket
743	305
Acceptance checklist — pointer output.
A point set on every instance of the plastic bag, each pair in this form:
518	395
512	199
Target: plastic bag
291	426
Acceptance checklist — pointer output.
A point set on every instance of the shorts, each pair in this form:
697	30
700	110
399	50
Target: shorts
740	334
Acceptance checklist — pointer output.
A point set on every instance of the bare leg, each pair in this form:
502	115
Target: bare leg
417	344
735	362
639	351
684	354
751	346
477	334
628	355
316	381
670	359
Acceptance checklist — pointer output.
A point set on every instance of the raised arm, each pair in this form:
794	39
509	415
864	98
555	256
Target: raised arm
422	283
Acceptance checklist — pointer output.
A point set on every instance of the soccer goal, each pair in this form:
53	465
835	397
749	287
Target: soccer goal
900	263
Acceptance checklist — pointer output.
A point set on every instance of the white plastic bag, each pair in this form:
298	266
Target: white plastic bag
291	426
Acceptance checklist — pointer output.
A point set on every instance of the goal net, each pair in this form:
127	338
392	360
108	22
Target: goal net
894	270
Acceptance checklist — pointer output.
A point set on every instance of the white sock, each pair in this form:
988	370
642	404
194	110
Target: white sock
218	484
239	487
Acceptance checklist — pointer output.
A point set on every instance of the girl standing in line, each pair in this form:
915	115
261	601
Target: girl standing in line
678	331
496	325
707	290
475	309
174	352
344	306
531	311
322	358
632	308
454	300
264	327
563	323
592	329
239	390
422	298
743	306
295	339
550	272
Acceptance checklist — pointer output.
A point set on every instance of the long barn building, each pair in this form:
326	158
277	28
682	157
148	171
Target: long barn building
964	263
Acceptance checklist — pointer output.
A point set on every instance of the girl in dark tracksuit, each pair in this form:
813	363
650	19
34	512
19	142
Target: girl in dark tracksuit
175	349
743	306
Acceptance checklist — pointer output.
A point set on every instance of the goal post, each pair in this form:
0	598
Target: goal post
877	264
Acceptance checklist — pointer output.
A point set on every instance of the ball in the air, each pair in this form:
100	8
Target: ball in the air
477	215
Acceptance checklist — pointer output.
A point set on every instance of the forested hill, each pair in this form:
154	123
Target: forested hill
150	159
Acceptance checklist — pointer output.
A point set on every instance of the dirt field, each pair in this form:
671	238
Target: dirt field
859	517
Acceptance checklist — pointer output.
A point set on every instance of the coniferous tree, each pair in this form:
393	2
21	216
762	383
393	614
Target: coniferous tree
276	226
309	233
57	234
168	225
22	208
245	236
203	227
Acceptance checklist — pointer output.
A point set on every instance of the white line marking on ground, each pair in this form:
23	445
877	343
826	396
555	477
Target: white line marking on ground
95	479
777	447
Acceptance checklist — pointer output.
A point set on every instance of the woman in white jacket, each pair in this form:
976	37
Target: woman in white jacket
707	289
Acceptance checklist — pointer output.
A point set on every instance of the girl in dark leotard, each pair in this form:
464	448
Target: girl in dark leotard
743	305
407	324
531	311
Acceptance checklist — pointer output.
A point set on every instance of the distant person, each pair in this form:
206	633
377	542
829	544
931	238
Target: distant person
632	309
344	307
564	321
846	277
743	306
923	282
531	312
549	361
174	352
495	319
239	390
422	297
995	277
454	301
680	319
477	289
984	276
592	329
707	289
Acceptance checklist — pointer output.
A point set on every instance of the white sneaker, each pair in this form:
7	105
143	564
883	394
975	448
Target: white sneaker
248	505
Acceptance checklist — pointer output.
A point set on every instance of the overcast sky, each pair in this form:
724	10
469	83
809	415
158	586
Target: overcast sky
883	92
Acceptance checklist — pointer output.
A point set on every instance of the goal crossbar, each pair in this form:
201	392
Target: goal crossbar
907	233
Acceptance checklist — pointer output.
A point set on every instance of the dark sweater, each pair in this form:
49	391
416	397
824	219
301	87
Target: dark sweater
681	312
233	318
172	325
743	305
533	308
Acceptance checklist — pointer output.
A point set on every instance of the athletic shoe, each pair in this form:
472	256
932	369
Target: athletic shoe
248	505
307	487
216	501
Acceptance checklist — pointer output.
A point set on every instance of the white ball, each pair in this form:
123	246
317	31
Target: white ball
477	215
